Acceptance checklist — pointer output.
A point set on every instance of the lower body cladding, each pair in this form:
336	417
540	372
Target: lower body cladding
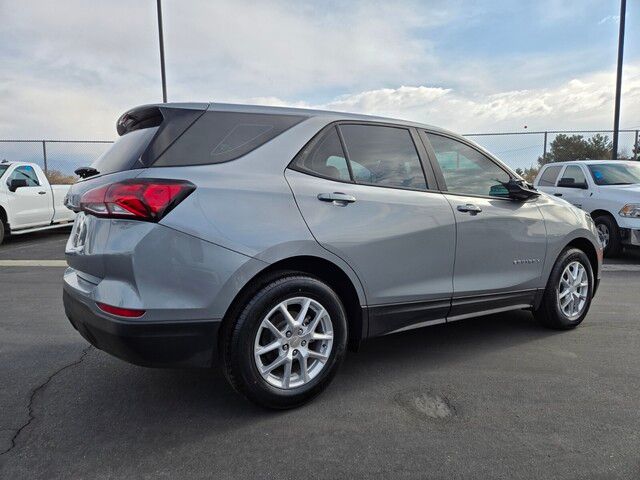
184	344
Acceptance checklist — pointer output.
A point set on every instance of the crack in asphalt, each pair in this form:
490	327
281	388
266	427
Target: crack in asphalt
34	392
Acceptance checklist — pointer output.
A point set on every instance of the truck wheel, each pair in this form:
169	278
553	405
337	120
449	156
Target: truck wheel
1	232
609	235
569	290
287	343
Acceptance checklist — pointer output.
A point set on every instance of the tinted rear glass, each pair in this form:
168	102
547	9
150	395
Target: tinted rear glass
223	136
325	157
124	153
383	156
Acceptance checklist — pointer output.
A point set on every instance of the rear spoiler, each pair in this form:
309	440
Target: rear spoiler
154	115
172	120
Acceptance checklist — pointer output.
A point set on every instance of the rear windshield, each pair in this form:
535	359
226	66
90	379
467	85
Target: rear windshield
125	152
615	173
223	136
3	168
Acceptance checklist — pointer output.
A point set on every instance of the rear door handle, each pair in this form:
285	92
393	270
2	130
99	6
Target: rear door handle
336	197
469	208
557	194
42	193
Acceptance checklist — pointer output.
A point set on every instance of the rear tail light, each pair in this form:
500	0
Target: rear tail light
139	199
119	311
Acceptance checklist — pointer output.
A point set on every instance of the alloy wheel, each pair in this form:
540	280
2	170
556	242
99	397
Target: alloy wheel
603	234
573	290
293	342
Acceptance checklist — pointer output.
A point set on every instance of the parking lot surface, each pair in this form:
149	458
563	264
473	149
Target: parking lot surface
496	397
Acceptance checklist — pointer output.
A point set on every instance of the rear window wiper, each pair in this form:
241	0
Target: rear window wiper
85	172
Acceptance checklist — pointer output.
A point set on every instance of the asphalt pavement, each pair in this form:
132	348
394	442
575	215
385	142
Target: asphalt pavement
495	397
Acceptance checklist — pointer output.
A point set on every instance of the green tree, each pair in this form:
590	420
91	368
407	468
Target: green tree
599	147
576	147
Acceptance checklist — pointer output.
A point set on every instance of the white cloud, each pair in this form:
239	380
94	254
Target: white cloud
581	103
69	69
609	19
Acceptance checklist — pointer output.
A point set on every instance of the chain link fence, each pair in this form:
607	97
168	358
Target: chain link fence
519	150
527	150
58	158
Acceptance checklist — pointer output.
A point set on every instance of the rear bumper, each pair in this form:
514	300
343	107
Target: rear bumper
158	344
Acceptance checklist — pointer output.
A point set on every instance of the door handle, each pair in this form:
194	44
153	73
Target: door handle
557	194
337	198
469	208
41	192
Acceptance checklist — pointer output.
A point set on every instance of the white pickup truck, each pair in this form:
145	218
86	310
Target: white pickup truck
28	203
608	189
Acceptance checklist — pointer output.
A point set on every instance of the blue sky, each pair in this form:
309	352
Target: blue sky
71	67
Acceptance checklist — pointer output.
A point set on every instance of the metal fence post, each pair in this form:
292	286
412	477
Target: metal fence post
44	155
544	151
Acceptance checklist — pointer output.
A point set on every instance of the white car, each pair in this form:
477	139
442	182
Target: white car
608	189
28	203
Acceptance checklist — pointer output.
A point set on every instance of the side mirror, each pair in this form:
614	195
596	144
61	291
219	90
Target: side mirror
16	183
571	183
520	190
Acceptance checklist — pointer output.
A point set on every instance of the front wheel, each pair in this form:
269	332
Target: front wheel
609	235
569	291
287	343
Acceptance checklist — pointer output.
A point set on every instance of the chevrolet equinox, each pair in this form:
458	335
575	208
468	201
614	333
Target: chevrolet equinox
271	240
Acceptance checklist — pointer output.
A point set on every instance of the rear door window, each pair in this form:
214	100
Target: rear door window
549	176
381	155
324	157
218	137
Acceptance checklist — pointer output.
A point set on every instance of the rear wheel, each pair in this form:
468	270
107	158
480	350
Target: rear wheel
568	294
287	343
1	232
609	235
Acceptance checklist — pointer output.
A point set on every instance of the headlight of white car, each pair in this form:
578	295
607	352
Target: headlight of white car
630	210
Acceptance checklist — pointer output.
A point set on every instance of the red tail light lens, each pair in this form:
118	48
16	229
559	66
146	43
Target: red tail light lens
141	199
119	311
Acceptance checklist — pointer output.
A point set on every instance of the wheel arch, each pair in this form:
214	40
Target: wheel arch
601	212
590	251
321	268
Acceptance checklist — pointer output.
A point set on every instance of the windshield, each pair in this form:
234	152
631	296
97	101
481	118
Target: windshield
3	168
615	173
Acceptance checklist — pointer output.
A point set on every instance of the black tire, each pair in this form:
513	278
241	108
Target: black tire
237	346
614	246
549	313
2	230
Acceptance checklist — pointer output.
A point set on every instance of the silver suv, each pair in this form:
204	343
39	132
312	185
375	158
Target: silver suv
273	239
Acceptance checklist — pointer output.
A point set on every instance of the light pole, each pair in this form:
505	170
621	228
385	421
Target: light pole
161	38
616	115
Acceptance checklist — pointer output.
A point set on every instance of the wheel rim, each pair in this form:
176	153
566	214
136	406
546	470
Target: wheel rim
603	234
573	290
293	342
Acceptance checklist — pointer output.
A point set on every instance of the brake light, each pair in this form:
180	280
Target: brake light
119	311
139	199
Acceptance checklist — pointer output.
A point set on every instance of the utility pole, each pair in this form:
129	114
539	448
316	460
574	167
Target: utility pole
616	115
161	38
